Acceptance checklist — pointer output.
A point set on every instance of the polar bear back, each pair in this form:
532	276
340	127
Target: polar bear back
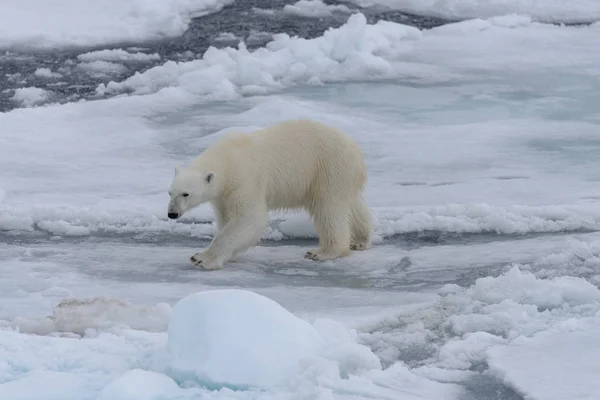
291	163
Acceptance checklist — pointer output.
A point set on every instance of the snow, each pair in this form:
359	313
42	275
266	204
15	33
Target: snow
30	96
117	55
481	144
39	24
547	10
314	9
238	338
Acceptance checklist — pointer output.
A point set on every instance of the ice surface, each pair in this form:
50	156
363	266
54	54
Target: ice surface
547	10
556	364
238	338
55	23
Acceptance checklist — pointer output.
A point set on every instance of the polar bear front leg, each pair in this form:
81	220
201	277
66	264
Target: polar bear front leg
238	234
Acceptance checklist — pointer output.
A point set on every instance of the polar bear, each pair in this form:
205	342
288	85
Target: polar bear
297	164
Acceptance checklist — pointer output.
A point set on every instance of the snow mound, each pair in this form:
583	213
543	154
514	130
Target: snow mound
237	337
117	55
138	384
314	9
547	10
30	96
57	23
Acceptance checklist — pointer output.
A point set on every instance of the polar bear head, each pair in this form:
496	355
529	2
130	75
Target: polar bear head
189	189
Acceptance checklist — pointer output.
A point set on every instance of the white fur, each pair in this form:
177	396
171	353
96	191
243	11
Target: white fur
299	164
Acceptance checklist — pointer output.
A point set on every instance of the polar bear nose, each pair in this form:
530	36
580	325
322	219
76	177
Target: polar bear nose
173	215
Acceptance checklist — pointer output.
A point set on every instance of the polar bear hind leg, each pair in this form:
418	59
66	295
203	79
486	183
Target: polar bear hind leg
361	225
332	223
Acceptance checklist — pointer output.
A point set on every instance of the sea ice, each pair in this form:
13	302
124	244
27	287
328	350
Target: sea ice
485	125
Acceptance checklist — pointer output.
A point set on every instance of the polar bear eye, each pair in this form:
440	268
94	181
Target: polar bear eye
185	194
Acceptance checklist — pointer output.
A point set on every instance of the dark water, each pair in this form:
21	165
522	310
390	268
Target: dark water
240	19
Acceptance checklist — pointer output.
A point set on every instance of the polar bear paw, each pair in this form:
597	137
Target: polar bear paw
206	261
320	255
359	246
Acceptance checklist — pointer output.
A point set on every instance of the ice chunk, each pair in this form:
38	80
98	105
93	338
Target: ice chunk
237	337
30	96
46	73
525	288
117	55
314	9
100	68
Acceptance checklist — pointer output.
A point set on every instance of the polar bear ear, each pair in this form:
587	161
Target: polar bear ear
209	177
177	171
